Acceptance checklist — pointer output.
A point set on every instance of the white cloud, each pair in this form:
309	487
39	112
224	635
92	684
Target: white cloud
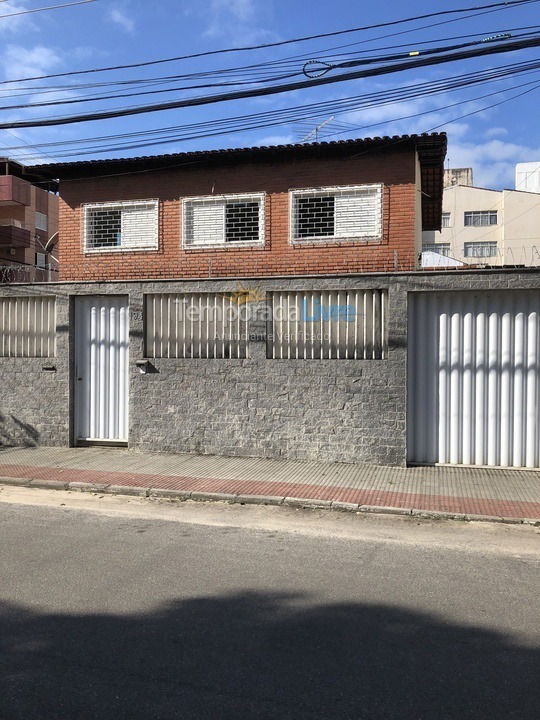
276	140
18	61
496	132
13	25
121	18
240	21
493	162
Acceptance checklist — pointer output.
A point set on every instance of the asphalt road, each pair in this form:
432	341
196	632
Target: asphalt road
115	609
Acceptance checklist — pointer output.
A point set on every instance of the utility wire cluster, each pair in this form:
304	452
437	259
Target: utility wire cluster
276	76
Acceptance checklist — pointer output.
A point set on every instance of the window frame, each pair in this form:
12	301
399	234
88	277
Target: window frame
38	217
332	239
449	217
489	213
120	204
480	243
435	247
224	244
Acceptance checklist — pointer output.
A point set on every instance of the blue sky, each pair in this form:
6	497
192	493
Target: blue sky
110	32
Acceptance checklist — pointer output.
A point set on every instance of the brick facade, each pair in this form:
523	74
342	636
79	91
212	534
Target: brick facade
396	168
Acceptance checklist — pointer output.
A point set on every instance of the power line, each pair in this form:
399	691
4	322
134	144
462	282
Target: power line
502	5
267	119
346	64
50	7
256	68
259	92
194	162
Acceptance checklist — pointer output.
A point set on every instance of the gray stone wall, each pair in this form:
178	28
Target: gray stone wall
332	410
35	397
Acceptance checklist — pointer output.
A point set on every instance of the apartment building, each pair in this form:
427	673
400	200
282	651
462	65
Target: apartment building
486	227
28	224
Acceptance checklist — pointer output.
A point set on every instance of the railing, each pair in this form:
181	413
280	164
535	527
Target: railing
21	273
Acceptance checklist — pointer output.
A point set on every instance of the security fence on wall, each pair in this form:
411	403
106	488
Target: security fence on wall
196	325
317	325
27	326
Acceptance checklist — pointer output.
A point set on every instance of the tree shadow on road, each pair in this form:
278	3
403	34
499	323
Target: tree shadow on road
260	656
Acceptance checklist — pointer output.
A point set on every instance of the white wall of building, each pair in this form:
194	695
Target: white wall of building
513	240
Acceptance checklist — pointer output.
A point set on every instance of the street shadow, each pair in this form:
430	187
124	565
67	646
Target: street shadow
16	433
260	656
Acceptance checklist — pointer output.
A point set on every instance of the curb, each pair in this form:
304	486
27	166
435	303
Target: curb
231	498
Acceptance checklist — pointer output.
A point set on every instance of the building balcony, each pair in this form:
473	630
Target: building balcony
14	236
14	191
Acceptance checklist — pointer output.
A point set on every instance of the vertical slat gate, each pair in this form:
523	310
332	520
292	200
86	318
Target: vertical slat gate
473	368
101	368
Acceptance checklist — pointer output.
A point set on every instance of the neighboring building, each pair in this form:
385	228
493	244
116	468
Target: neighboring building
488	227
528	177
458	176
28	224
323	208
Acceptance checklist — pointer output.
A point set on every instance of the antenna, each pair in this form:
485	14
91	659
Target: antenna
315	130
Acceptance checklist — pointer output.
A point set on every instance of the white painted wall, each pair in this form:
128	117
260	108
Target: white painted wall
517	232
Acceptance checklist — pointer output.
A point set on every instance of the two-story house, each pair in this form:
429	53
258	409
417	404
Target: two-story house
269	302
342	207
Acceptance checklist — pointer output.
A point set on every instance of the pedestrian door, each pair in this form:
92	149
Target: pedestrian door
101	369
474	378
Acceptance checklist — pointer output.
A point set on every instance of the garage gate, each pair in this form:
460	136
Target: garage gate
473	378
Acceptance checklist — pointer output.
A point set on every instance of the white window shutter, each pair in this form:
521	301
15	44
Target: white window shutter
139	226
205	223
358	214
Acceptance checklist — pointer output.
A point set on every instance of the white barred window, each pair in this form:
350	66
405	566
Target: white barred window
131	225
223	220
336	213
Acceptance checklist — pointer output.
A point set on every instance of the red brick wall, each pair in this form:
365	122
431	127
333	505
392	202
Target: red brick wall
395	169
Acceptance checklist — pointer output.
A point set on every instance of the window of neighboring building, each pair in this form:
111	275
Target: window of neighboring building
446	218
41	221
441	248
480	218
129	225
339	213
41	260
480	249
223	220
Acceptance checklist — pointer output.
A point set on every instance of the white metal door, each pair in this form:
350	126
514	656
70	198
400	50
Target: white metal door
473	378
101	368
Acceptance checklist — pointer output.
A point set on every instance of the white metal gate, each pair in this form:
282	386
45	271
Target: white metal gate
101	368
473	378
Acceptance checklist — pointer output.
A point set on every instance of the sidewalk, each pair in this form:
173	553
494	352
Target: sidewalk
450	491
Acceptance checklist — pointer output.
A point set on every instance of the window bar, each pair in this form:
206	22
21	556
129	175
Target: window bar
347	351
223	325
364	327
288	344
199	324
230	326
354	352
238	329
383	327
